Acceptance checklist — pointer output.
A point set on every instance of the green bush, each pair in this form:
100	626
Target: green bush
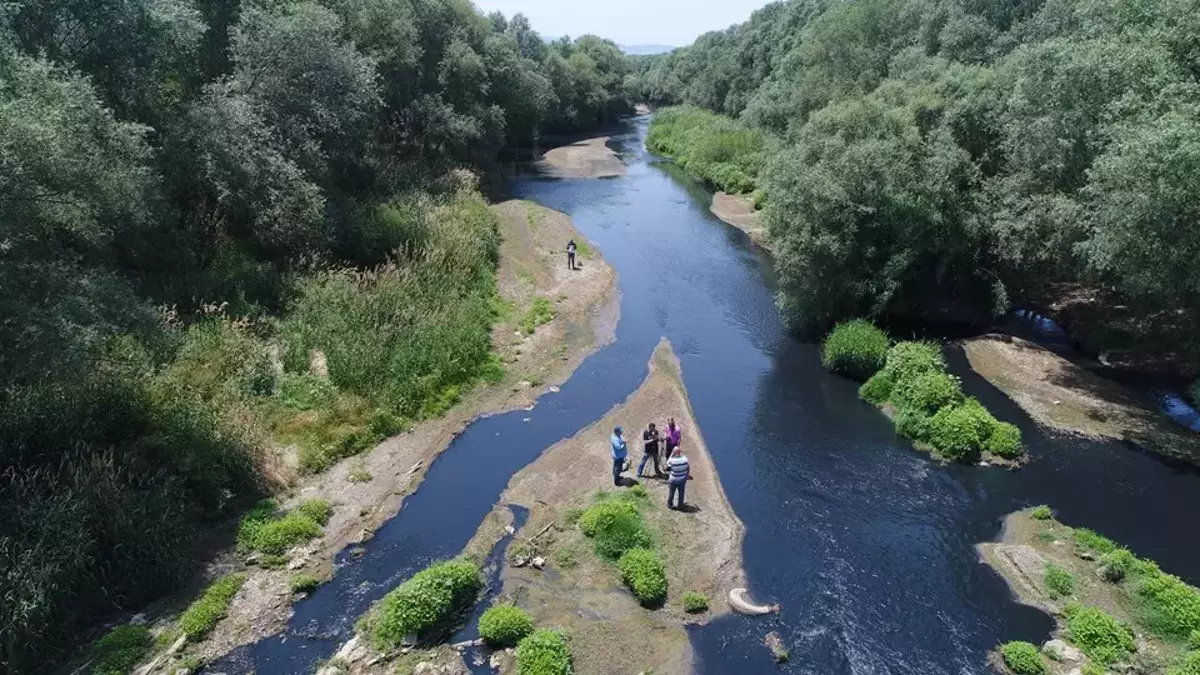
1166	605
1022	658
505	625
302	583
615	526
1189	664
877	389
1193	641
913	425
695	602
1005	441
720	150
958	432
1104	639
1059	582
265	530
425	605
539	313
927	392
203	614
1042	512
644	573
906	360
544	652
1116	564
120	650
1093	669
856	349
316	510
1090	541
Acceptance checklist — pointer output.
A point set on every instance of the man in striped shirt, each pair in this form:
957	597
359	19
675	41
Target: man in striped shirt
680	472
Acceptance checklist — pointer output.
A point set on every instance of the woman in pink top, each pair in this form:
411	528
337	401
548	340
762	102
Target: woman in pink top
673	435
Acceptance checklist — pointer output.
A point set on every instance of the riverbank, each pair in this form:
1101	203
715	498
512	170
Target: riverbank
578	592
738	211
1059	569
551	318
1066	397
590	158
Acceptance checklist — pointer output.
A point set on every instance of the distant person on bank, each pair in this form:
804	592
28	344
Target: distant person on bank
619	453
650	439
571	254
679	473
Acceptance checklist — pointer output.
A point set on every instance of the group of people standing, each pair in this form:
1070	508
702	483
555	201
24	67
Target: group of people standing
678	471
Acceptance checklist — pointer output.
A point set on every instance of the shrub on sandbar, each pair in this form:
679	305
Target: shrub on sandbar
505	625
544	652
424	605
1104	639
1022	658
856	349
644	573
615	526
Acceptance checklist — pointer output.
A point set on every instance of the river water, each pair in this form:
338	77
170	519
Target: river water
866	543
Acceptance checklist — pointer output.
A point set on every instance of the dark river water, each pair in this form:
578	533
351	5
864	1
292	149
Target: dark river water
866	543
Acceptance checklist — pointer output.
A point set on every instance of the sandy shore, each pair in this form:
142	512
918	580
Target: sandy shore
532	263
610	632
1065	397
591	158
738	211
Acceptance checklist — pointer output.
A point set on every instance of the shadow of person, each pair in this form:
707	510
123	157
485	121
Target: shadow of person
688	508
626	481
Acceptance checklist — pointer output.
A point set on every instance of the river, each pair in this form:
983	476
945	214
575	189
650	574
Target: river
866	543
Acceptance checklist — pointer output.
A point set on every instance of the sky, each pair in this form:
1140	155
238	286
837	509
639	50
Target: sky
628	22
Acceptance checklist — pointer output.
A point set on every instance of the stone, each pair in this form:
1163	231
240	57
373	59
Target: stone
538	562
317	364
1087	555
1062	652
138	620
509	530
775	644
552	388
297	563
424	668
495	661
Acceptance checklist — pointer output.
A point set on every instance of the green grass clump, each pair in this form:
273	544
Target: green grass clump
1104	639
539	313
1005	441
1116	565
877	389
1193	641
1166	605
544	652
927	392
1042	512
566	558
1059	582
1093	669
120	650
958	432
615	526
695	602
1189	664
304	583
856	349
505	625
266	530
720	150
1022	658
644	573
1088	540
906	360
425	605
203	614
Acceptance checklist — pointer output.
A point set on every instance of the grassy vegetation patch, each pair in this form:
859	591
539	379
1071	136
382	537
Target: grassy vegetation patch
266	530
544	652
426	605
505	625
856	349
203	614
1022	658
718	149
1042	512
615	525
1087	540
644	572
1104	639
1189	664
302	583
695	602
1059	582
541	312
566	557
120	650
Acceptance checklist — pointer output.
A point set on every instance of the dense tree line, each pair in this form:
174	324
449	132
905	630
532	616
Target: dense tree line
194	193
951	157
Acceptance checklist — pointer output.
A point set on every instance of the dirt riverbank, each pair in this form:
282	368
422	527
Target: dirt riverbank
367	490
1065	397
1028	547
738	211
591	158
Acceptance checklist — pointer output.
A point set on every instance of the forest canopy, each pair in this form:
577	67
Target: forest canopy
950	158
194	196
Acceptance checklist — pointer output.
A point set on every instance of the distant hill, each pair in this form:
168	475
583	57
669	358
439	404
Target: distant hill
646	49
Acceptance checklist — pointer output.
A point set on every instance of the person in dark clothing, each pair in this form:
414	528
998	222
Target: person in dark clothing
571	254
650	439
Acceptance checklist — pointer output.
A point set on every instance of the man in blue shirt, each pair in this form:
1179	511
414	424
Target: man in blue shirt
619	452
